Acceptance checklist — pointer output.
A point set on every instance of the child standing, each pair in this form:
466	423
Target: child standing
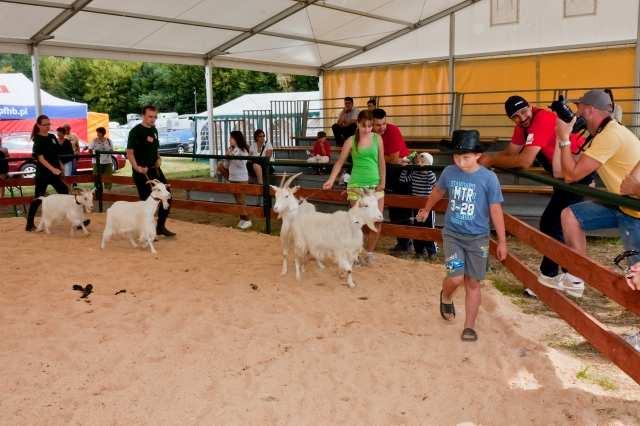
235	171
421	184
368	172
474	196
320	153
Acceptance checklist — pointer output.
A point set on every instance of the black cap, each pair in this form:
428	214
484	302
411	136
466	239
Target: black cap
465	141
514	104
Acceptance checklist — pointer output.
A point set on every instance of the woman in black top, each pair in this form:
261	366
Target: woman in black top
4	165
48	167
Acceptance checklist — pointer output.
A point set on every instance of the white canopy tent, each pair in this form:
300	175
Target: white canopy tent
308	36
258	101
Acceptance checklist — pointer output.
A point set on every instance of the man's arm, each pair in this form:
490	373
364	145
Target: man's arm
393	158
134	165
513	157
497	218
631	183
573	170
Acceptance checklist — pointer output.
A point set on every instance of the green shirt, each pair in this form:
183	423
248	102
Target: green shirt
144	142
365	171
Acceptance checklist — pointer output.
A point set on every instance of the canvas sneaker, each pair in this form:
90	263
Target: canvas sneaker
573	285
551	282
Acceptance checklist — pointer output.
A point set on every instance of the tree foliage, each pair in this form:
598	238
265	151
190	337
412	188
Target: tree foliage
118	88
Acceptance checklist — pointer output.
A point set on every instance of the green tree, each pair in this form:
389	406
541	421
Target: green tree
304	83
109	88
119	88
15	63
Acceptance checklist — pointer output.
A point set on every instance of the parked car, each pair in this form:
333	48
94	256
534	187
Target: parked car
177	141
20	146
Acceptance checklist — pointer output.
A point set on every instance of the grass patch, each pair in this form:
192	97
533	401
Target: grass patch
506	287
176	168
588	376
580	348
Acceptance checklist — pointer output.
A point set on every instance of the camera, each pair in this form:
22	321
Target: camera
564	113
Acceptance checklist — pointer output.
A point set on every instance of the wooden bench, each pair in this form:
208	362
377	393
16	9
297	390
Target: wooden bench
527	189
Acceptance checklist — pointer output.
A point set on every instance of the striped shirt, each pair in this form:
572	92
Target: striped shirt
420	181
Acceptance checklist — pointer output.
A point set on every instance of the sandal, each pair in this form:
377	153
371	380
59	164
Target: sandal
469	335
447	308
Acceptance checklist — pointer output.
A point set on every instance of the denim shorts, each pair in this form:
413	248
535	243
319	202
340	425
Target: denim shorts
592	216
466	254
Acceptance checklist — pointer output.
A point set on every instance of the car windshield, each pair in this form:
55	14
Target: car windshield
17	143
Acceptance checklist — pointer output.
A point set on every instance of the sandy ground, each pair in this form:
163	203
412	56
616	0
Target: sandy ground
209	333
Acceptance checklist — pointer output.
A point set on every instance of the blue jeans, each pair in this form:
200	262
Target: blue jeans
68	168
592	216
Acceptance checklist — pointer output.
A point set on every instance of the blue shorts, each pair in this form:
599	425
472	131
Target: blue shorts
592	216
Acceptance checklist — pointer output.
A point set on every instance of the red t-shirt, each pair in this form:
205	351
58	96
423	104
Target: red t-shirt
542	132
394	142
321	148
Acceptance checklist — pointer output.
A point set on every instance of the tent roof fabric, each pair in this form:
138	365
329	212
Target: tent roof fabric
296	35
17	101
307	36
258	101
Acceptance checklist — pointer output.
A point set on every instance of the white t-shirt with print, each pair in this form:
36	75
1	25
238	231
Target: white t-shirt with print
253	149
104	145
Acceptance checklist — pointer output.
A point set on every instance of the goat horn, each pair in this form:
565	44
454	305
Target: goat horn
284	175
291	179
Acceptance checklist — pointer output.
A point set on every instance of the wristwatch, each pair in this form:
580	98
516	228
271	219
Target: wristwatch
565	144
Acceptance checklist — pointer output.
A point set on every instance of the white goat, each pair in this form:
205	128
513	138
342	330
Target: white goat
73	207
288	207
337	236
137	218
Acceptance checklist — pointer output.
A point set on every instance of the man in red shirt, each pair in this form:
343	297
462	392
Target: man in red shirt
394	150
534	138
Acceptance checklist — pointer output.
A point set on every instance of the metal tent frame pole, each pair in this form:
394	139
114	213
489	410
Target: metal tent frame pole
35	70
636	104
208	75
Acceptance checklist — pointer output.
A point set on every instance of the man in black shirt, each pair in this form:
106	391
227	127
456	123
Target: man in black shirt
142	153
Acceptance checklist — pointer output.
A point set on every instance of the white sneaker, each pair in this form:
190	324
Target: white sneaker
551	282
633	340
239	225
573	285
529	293
245	224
